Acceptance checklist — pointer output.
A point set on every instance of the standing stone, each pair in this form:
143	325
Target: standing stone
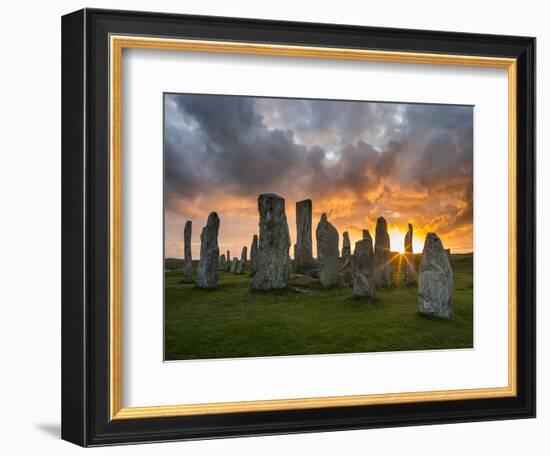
222	262
382	267
347	273
363	268
233	267
228	261
242	262
253	254
303	253
435	282
327	252
409	258
207	271
187	260
272	261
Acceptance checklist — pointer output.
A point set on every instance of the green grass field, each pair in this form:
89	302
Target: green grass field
232	321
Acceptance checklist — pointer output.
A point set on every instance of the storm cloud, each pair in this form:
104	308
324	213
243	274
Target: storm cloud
355	160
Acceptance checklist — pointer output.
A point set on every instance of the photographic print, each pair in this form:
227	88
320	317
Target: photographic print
309	226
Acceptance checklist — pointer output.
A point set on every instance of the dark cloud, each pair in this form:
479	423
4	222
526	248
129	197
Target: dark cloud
382	154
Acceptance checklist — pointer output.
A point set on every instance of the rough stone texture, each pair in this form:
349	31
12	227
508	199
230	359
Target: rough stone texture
272	262
222	264
408	258
435	282
363	268
233	266
382	268
253	254
187	260
327	252
228	261
303	253
242	262
347	273
207	271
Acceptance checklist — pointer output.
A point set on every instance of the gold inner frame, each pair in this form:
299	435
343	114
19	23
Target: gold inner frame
117	44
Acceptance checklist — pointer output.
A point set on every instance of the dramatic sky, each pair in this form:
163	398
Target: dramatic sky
354	160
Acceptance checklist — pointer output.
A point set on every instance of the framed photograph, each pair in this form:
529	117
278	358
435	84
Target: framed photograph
277	227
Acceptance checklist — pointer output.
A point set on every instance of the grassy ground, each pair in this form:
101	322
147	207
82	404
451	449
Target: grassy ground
233	321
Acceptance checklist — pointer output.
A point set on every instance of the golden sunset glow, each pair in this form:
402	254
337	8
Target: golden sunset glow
356	161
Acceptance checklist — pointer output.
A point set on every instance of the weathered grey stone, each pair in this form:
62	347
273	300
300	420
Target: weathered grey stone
435	282
233	266
207	271
327	252
242	262
408	258
347	273
187	260
253	254
303	253
228	261
272	262
383	270
222	265
363	268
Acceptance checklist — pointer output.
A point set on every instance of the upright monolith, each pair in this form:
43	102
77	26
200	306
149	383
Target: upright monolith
408	258
347	273
227	261
327	252
242	262
435	281
234	263
187	260
253	254
382	268
363	268
303	253
207	271
222	262
272	261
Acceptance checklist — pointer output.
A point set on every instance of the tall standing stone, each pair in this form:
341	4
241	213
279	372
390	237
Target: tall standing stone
253	254
187	260
228	261
242	262
273	262
347	273
233	266
327	252
435	282
303	253
222	265
382	261
363	268
409	258
207	271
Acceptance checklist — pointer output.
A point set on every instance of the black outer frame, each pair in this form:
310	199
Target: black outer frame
85	227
